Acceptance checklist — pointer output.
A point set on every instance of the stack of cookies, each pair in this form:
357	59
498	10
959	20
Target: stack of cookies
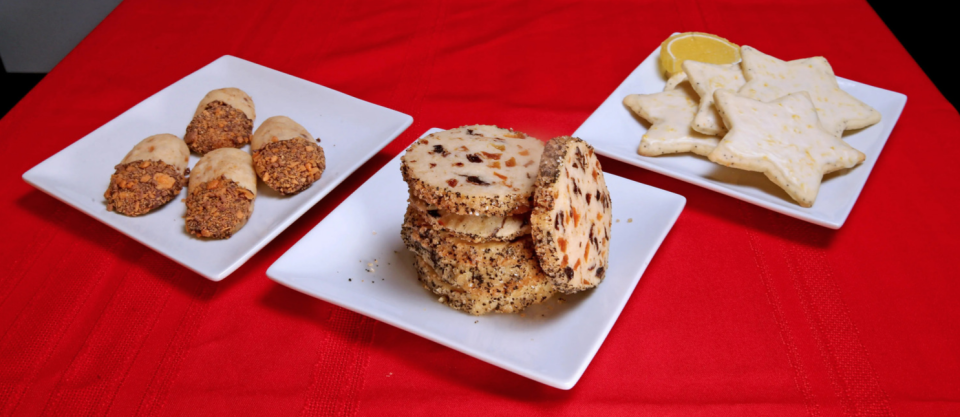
485	212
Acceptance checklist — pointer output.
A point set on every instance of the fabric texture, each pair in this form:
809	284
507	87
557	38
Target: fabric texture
742	311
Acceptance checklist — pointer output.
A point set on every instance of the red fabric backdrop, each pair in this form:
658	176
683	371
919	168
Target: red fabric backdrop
742	311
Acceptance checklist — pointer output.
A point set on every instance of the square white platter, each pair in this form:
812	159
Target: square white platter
355	259
615	132
351	132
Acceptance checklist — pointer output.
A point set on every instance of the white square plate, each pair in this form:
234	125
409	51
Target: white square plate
615	132
351	131
332	261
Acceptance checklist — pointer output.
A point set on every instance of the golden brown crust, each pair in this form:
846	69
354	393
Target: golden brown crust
137	187
289	166
571	215
506	297
218	125
218	208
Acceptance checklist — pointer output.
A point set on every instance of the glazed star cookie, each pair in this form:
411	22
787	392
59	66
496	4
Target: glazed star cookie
769	78
674	81
671	113
782	139
705	80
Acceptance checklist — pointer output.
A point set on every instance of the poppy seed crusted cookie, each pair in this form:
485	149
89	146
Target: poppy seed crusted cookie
571	215
473	265
474	170
502	297
476	229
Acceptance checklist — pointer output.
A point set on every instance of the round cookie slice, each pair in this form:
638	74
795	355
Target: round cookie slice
474	170
476	229
571	215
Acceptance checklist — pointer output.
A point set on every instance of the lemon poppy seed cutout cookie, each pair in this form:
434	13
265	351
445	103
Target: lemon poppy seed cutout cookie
571	215
223	119
769	78
705	80
671	114
474	170
782	139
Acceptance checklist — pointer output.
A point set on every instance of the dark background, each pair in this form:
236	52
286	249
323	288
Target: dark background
922	27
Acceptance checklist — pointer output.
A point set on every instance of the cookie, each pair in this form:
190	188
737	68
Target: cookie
465	264
674	81
149	176
705	80
571	215
670	113
223	119
782	139
285	155
476	229
474	170
769	78
223	186
497	297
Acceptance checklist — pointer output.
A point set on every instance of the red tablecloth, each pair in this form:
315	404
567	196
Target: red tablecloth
742	311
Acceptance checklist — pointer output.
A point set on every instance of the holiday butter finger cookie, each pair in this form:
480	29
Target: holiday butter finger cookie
220	196
149	176
285	155
224	119
571	215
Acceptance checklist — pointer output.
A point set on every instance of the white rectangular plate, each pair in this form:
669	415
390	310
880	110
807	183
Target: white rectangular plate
551	343
614	132
351	131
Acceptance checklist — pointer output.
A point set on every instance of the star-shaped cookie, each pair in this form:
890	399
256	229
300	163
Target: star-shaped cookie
705	80
769	78
782	139
670	113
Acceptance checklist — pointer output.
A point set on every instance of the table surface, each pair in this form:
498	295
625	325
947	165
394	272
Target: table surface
742	311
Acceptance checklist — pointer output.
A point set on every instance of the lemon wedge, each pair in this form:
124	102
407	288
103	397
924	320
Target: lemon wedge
696	46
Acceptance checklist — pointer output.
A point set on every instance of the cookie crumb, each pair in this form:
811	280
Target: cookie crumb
630	220
618	220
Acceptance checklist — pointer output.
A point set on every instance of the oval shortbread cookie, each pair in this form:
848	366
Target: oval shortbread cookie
220	194
465	264
474	170
224	119
285	155
571	215
498	297
149	176
474	228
